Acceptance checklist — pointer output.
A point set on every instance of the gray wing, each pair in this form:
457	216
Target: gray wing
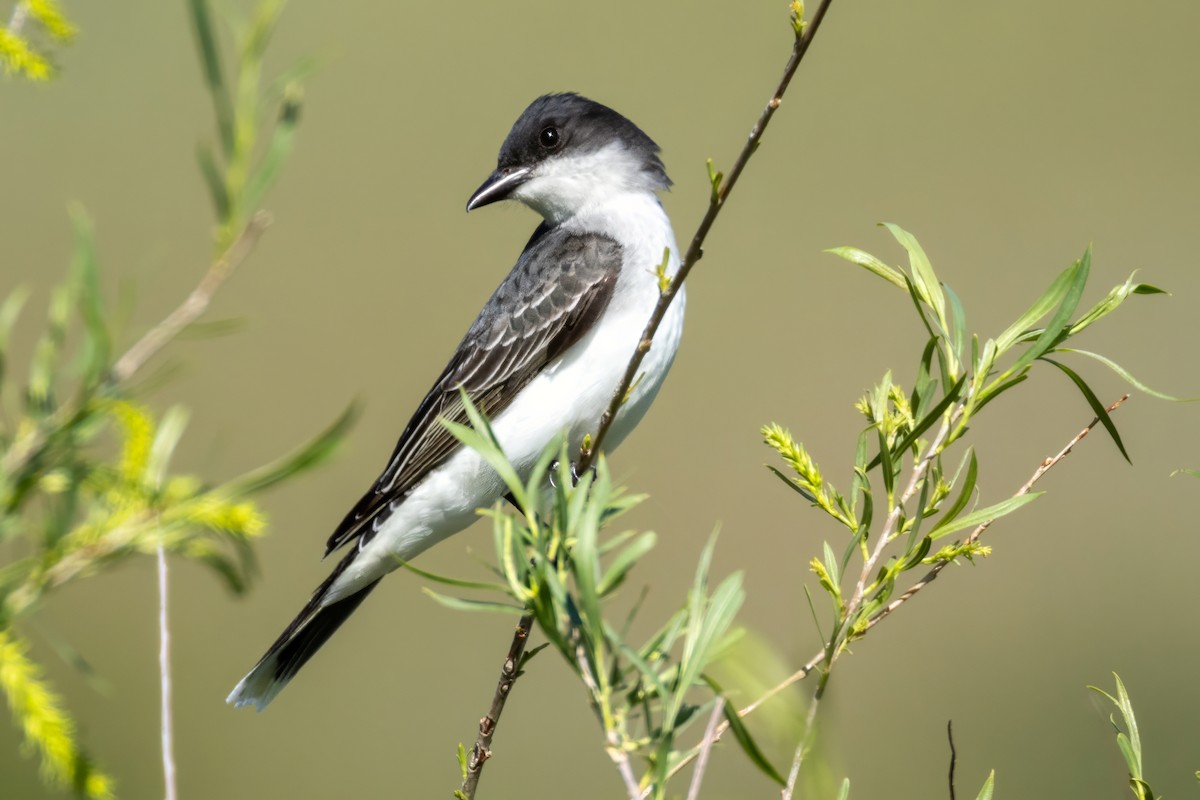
554	295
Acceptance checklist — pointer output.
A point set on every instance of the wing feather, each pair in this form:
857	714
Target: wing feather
558	290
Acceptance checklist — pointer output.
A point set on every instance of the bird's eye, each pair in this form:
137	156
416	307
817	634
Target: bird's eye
549	138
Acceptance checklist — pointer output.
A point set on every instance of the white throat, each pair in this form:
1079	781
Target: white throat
561	188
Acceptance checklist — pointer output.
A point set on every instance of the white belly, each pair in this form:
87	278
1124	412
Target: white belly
568	397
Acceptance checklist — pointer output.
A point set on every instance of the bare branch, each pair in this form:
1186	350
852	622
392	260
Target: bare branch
705	746
695	249
195	304
509	673
480	753
164	678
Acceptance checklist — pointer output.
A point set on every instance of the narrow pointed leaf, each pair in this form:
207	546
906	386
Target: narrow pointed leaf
984	515
1097	407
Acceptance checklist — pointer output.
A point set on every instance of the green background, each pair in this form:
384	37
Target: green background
1006	136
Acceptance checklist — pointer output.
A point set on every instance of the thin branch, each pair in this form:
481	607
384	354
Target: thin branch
618	754
819	658
509	673
481	751
164	677
195	304
705	748
695	249
953	754
937	568
20	13
810	734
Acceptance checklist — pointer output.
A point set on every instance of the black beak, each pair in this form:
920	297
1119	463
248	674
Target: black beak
499	185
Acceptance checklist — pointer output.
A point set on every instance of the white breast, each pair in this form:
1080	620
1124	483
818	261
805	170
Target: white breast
569	396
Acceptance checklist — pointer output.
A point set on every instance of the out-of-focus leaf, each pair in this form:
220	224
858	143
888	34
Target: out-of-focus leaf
10	309
278	150
844	792
1097	407
97	342
743	737
206	44
984	515
307	457
214	181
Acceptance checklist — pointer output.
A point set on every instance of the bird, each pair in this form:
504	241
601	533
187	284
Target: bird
541	360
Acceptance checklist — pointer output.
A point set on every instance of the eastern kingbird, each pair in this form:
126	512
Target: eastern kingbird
542	358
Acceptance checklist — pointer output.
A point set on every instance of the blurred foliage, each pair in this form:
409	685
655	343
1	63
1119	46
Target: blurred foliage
85	478
34	26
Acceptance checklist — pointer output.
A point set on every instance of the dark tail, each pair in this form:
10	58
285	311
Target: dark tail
311	628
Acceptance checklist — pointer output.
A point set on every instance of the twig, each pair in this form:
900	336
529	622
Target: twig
705	747
937	568
195	304
694	251
164	677
953	754
810	729
509	673
618	754
819	658
20	13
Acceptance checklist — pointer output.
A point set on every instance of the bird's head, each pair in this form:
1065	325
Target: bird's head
565	153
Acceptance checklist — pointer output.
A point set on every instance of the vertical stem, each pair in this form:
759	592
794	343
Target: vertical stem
164	677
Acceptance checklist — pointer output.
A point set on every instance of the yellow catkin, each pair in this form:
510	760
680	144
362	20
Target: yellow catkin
38	712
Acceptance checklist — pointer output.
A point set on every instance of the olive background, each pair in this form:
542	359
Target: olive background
1005	136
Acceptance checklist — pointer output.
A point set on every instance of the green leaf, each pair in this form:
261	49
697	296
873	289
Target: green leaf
871	263
925	280
278	150
964	495
206	43
86	276
924	423
743	737
448	581
988	514
625	561
1097	407
214	181
1125	376
989	786
844	792
1077	279
1052	297
464	604
958	326
307	457
1114	298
